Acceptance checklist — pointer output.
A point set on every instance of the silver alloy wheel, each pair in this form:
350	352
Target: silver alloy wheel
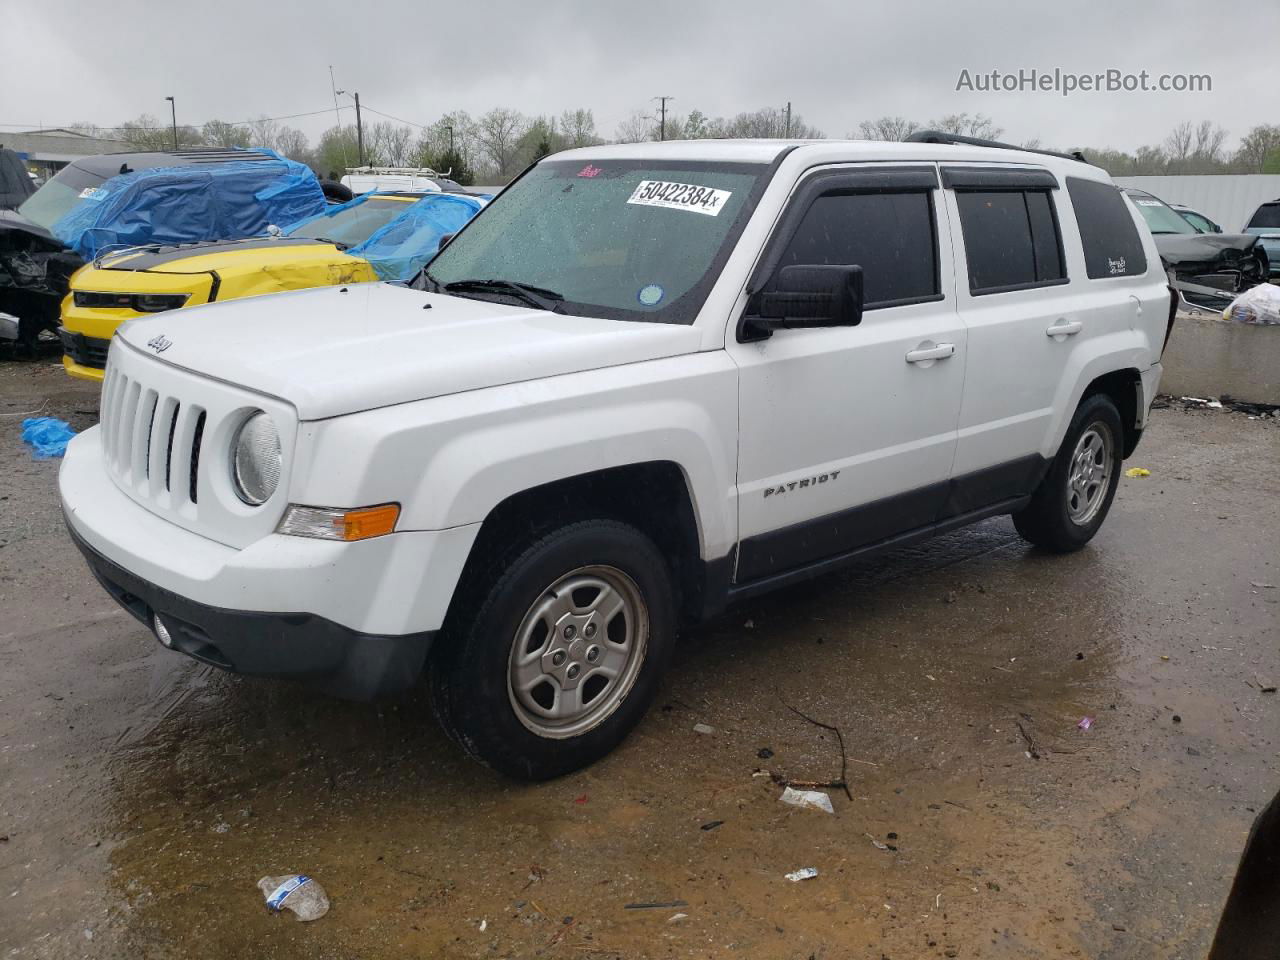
577	652
1090	473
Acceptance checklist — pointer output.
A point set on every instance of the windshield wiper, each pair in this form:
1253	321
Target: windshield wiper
539	297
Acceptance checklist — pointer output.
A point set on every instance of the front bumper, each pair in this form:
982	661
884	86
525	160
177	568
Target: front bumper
356	617
84	357
344	662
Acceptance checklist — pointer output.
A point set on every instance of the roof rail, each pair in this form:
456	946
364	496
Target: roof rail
393	171
937	136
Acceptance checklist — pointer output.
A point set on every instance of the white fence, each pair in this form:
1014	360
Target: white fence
1227	199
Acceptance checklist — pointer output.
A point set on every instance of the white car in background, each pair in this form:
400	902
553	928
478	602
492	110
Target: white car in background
398	179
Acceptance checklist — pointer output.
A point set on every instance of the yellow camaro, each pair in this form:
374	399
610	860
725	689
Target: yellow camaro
136	282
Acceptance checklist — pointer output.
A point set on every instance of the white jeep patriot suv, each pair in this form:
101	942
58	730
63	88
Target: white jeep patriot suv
646	381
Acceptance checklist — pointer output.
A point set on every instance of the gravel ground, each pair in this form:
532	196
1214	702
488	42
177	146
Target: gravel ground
142	795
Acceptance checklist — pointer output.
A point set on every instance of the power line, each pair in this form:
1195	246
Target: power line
234	123
420	126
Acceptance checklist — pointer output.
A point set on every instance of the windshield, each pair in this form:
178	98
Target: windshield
1160	217
51	202
1202	224
1268	215
354	223
621	239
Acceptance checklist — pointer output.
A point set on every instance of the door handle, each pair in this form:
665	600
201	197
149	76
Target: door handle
939	351
1061	329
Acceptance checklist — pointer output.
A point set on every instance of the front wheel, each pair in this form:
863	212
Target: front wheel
562	654
1073	498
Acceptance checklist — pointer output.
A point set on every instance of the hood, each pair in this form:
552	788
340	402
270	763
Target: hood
218	255
1213	249
26	234
333	351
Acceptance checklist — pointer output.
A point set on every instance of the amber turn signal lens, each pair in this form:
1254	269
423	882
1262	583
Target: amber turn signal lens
368	522
334	523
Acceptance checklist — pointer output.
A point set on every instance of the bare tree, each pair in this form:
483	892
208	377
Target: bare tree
1208	143
968	125
1178	144
263	132
388	144
497	132
887	128
293	144
637	128
146	133
219	133
578	128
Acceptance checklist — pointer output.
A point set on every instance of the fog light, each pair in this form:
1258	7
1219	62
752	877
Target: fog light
163	633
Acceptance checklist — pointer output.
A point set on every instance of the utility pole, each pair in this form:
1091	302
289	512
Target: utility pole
788	119
449	127
173	112
359	132
662	129
359	129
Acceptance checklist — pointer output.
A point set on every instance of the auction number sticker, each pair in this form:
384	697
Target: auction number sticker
680	196
1149	203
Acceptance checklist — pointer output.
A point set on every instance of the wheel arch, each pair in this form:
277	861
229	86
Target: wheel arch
653	496
1124	389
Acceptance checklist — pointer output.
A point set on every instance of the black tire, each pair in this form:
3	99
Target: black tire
336	192
471	692
1047	521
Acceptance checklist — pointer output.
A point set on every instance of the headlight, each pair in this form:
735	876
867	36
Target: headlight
138	302
256	459
159	302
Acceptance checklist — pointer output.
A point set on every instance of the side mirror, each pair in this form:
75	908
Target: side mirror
806	296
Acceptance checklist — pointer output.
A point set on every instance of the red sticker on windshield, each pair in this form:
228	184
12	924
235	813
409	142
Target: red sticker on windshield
590	171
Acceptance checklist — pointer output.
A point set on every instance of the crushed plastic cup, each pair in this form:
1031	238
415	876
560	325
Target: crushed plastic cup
296	892
804	873
813	799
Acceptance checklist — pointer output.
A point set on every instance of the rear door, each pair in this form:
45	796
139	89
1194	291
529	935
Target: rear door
846	434
1023	320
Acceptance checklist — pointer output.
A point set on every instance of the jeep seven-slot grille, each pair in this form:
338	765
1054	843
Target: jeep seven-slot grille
151	441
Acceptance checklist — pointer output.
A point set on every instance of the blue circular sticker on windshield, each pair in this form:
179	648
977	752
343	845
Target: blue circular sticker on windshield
651	295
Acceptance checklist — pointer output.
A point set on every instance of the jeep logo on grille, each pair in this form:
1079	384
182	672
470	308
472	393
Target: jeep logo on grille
159	343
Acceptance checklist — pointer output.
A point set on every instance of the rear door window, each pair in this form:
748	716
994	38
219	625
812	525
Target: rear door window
1011	239
890	235
1112	246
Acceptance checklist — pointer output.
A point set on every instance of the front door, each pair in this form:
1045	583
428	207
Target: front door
847	434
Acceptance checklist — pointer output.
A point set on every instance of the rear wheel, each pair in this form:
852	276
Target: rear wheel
1075	495
551	666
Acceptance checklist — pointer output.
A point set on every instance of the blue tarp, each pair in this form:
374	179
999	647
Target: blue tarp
191	204
399	249
48	436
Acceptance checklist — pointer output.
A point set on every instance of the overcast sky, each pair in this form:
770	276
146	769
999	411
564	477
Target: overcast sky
837	62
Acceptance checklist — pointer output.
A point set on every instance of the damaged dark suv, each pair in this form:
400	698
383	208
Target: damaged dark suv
35	266
1207	269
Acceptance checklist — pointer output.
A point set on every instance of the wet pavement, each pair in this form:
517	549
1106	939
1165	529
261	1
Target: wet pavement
143	795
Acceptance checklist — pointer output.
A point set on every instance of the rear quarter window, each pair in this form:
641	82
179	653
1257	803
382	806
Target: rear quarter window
1268	215
1112	246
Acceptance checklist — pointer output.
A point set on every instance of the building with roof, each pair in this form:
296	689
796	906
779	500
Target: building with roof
45	152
